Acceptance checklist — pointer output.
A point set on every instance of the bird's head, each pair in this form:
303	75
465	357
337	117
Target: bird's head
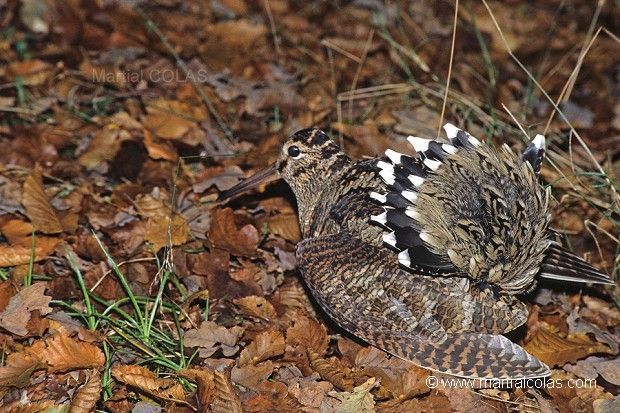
306	160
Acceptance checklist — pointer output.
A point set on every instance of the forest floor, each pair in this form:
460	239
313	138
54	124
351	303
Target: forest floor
126	286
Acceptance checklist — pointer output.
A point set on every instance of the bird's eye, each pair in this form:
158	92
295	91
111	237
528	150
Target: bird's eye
294	151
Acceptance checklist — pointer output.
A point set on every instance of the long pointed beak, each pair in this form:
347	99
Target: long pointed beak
264	176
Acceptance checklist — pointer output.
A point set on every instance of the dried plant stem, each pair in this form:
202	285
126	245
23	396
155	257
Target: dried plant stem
274	33
614	193
445	98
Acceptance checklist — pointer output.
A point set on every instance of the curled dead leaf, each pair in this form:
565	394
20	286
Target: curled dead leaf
266	345
256	306
38	207
162	231
251	375
330	370
104	146
285	225
86	397
17	314
158	150
307	333
211	337
18	370
360	400
144	379
63	353
225	399
171	119
556	350
225	235
204	380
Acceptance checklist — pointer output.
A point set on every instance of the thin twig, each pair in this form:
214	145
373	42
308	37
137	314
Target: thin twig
340	50
567	89
445	98
274	33
586	46
359	68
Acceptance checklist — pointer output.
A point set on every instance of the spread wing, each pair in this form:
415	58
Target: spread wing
470	209
430	321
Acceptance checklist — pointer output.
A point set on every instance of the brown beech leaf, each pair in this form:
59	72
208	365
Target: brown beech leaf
19	234
17	314
161	231
7	291
144	379
556	350
360	400
330	370
204	379
251	376
158	150
171	119
275	397
14	255
86	397
63	353
104	146
307	333
37	204
211	336
256	306
285	225
225	235
266	345
225	399
19	375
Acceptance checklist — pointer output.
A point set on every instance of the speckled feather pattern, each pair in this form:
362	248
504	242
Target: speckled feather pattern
484	211
429	308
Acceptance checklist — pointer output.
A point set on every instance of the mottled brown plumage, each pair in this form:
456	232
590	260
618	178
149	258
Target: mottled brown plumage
469	222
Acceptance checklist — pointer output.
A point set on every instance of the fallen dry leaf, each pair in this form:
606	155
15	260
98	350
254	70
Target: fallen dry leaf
307	333
161	231
17	314
19	234
266	345
63	353
225	235
286	226
360	400
14	255
144	379
274	397
38	208
330	370
86	397
171	119
556	350
158	150
104	146
256	306
225	399
251	375
18	370
204	379
210	337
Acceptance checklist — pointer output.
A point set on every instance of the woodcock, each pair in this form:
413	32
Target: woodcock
426	256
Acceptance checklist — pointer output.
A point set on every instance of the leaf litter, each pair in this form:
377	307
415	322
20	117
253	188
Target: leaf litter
122	123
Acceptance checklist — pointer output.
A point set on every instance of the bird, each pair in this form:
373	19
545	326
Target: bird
427	255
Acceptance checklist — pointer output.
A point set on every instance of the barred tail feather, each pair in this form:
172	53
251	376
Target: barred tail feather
469	355
561	264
